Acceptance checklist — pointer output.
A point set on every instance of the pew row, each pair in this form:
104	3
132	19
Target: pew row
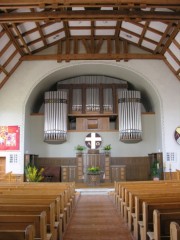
146	224
130	197
161	224
52	226
63	197
137	215
17	222
174	231
28	233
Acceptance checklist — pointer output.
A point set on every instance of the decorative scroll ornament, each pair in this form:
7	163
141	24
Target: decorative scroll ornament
129	111
55	117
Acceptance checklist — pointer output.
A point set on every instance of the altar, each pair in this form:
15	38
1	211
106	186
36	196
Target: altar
87	160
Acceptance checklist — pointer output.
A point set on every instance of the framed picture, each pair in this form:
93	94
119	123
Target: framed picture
9	138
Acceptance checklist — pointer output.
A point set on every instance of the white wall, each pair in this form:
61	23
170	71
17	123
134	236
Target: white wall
153	76
67	149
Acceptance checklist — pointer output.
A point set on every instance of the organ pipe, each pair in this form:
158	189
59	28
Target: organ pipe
55	117
129	112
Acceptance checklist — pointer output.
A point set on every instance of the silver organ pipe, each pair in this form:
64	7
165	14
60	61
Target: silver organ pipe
55	117
92	100
77	100
129	112
108	100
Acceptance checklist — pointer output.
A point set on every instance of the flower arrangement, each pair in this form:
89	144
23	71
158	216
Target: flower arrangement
33	174
93	170
107	147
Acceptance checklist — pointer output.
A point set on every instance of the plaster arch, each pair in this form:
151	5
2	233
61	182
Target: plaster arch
125	72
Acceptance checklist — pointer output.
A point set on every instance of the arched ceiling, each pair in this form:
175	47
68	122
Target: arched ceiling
88	30
134	80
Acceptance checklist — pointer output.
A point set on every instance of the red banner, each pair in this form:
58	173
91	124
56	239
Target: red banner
9	138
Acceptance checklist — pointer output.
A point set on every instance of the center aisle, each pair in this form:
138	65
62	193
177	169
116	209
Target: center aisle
95	218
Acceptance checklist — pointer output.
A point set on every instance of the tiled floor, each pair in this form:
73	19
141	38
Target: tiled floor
95	218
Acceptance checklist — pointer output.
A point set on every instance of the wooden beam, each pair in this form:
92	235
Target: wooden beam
99	45
87	3
88	15
171	37
89	56
40	31
125	49
3	70
21	38
9	74
11	36
163	39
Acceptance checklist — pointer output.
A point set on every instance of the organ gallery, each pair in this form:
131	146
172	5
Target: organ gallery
92	103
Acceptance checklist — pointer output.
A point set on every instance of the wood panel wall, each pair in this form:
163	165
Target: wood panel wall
137	168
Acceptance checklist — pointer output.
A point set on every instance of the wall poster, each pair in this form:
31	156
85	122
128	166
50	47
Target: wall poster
9	138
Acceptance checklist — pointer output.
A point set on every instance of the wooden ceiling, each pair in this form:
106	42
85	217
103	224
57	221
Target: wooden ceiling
88	30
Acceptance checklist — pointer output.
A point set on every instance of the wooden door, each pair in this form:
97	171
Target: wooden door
2	167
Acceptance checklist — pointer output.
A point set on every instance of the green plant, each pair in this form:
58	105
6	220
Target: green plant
155	171
33	174
94	170
107	147
80	148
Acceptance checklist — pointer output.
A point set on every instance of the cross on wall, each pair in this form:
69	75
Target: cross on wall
93	140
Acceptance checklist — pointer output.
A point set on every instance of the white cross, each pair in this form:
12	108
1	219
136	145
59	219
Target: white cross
93	139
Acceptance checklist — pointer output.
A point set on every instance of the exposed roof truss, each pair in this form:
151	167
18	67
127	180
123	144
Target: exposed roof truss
82	29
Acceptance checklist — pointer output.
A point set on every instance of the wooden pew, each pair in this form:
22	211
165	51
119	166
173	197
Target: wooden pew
52	226
121	186
7	222
66	193
137	216
174	231
60	188
61	210
25	234
69	187
129	207
161	224
36	200
147	220
142	188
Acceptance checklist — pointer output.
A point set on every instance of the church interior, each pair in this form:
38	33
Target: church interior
89	120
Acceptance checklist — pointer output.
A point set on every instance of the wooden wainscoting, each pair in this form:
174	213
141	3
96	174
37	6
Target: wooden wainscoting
137	168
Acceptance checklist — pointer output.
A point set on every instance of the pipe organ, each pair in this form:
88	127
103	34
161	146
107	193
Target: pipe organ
77	100
94	103
130	116
107	100
92	100
55	117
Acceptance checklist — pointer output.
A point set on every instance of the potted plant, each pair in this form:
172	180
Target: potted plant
107	148
93	175
80	149
33	174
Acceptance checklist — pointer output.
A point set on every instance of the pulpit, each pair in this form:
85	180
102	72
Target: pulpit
92	159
